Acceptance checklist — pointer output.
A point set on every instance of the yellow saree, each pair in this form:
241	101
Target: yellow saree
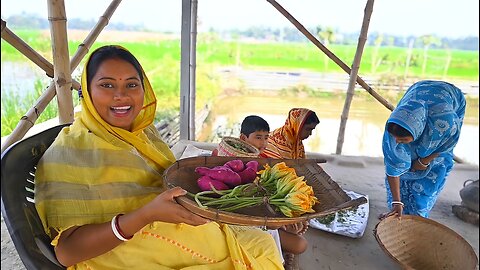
285	142
93	171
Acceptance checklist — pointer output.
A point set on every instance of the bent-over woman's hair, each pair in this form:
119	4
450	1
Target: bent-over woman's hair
253	123
312	118
397	130
110	52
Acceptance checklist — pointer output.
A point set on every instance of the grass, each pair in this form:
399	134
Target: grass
161	61
14	106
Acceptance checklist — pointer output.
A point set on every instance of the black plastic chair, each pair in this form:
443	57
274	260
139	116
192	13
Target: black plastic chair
18	209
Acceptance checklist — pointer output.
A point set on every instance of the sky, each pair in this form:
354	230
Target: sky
445	18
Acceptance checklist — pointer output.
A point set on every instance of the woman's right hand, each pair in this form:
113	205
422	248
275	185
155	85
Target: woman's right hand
165	208
397	210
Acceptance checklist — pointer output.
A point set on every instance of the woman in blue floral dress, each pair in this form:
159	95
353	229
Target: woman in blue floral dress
418	144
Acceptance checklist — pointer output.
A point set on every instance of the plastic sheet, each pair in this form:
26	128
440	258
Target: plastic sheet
351	223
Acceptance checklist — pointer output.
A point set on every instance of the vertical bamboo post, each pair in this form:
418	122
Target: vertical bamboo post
353	74
193	66
61	60
185	52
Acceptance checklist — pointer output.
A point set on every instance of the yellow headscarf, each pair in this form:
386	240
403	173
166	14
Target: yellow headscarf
94	122
93	165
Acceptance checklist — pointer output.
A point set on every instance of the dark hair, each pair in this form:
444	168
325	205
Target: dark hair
312	118
397	130
254	123
110	52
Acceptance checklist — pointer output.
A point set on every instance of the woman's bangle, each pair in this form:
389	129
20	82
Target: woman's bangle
398	202
117	231
421	163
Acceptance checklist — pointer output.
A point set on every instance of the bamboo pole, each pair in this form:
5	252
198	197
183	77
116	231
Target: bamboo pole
61	60
331	55
353	74
193	66
185	54
28	120
26	50
84	47
30	53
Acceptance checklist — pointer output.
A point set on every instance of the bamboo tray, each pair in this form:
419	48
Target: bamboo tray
331	197
415	242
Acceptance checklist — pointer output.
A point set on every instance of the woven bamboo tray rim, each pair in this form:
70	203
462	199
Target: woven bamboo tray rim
415	242
332	198
225	149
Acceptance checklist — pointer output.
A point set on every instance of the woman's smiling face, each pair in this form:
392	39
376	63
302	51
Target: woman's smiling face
117	92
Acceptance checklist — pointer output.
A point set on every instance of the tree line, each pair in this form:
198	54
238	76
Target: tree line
326	34
30	21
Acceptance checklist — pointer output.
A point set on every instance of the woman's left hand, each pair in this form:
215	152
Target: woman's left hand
416	166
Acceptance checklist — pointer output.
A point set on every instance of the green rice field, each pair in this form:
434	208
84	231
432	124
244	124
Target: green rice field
161	61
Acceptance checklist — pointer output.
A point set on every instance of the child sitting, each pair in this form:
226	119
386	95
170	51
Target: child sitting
255	130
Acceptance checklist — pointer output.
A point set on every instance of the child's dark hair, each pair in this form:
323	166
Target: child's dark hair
312	118
110	52
397	130
254	123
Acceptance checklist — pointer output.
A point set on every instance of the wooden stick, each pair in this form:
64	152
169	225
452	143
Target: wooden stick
30	53
61	60
84	47
27	121
353	74
332	56
26	50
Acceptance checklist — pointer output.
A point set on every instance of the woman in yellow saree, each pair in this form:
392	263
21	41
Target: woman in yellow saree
286	141
99	189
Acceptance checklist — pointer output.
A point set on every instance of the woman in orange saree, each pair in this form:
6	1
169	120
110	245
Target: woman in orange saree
286	141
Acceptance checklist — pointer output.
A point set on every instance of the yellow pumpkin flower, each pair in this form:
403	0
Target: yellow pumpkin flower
285	210
280	169
279	185
299	202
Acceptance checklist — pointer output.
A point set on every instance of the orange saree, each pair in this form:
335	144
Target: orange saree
285	142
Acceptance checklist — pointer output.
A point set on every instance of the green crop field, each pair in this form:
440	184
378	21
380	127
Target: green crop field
161	61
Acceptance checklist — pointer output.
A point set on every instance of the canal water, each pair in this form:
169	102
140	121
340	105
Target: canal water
363	134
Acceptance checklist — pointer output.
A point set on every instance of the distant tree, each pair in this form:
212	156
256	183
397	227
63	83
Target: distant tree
293	35
27	21
427	41
33	21
327	35
377	43
409	57
447	60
